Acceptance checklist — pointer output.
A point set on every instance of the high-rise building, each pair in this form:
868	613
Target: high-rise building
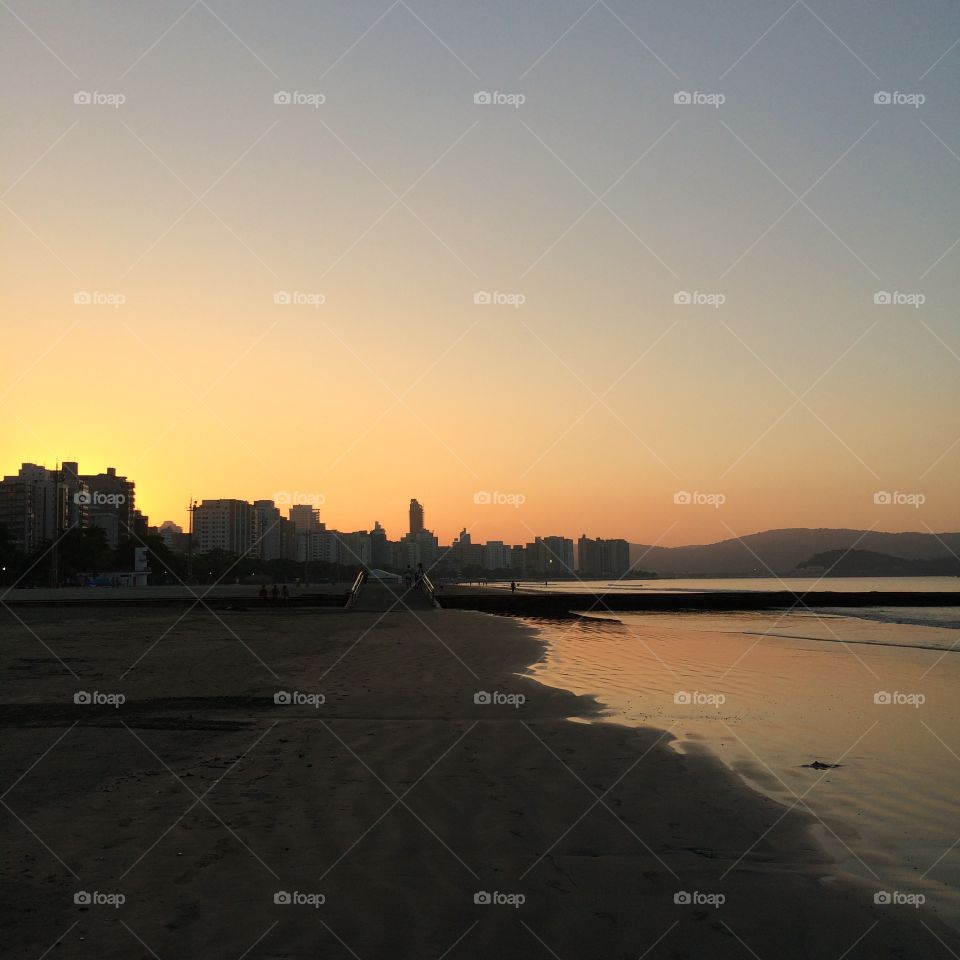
602	558
111	502
416	518
381	550
550	557
230	525
496	555
34	507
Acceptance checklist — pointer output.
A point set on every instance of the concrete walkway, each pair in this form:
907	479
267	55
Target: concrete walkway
376	597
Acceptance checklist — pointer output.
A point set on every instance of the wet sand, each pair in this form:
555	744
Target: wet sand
398	799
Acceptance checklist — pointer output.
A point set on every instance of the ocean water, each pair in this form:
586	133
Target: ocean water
873	690
725	584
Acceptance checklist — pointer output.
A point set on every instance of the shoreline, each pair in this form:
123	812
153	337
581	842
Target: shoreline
400	799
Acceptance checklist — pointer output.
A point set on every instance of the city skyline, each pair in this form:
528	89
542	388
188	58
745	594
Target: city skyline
487	508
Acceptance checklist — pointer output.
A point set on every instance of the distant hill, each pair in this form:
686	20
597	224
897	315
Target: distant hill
781	551
866	563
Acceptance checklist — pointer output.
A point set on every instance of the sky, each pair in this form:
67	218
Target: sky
384	289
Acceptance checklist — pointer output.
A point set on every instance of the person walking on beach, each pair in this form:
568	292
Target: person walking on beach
284	593
263	592
513	586
275	593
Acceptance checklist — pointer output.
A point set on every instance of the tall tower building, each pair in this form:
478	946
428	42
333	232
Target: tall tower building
416	517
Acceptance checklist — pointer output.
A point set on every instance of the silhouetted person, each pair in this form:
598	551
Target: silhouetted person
275	593
263	592
513	586
284	592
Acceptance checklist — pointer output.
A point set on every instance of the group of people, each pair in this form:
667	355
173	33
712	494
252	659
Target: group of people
275	593
414	577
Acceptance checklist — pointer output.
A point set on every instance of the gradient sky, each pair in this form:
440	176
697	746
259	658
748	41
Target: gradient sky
597	200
